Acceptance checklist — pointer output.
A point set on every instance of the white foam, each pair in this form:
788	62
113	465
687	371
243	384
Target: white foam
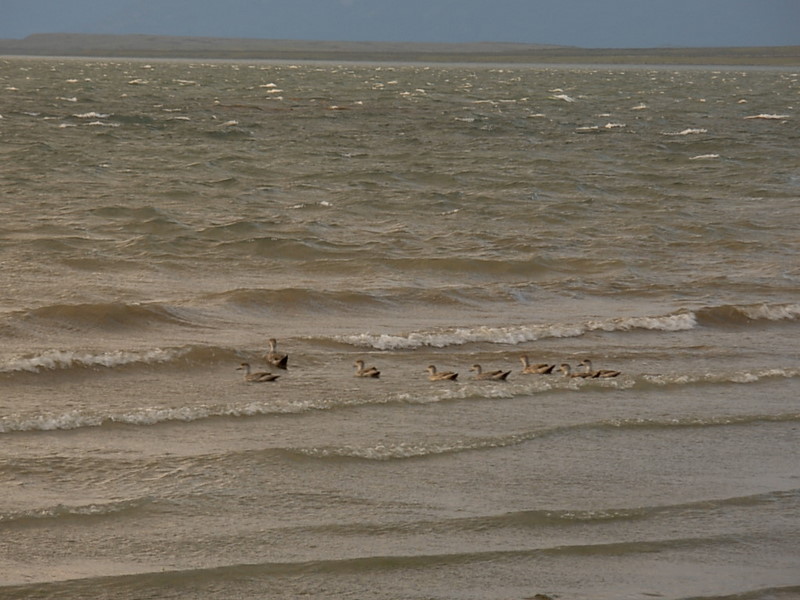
515	335
780	312
768	117
704	156
688	131
743	377
59	359
91	115
94	508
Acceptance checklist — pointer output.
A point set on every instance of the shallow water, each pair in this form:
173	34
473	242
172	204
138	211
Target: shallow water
162	220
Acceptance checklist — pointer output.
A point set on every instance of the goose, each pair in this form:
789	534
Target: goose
600	373
362	372
494	375
540	369
567	371
275	358
257	377
433	375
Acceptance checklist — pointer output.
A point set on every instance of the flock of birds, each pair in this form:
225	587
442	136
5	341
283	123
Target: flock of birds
585	369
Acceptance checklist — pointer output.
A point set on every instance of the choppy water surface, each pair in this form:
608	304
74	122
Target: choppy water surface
161	221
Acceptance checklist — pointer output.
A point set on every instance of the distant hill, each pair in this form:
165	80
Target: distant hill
153	46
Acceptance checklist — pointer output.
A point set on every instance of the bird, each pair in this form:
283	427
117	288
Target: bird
540	369
257	377
493	375
433	375
368	372
600	373
568	372
275	358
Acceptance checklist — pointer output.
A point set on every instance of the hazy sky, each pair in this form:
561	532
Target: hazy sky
586	23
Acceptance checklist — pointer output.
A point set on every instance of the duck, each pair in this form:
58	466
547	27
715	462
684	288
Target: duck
258	376
493	375
600	373
275	358
568	372
365	372
540	369
434	375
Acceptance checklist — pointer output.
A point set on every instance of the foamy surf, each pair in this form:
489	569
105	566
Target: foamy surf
515	335
70	359
683	320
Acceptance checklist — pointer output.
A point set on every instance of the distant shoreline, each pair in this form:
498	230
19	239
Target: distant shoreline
206	48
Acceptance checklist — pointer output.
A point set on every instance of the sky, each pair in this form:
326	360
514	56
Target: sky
583	23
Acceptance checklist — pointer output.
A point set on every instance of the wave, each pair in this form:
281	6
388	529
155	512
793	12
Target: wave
791	592
105	316
63	511
769	117
154	415
682	320
403	451
562	517
291	299
688	131
145	582
51	360
517	334
79	419
730	315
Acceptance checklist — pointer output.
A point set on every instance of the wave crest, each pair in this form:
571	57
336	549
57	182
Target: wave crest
107	316
68	359
515	335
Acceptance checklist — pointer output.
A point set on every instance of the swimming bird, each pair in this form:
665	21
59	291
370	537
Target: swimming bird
258	376
275	358
600	373
433	375
494	375
540	369
368	372
568	372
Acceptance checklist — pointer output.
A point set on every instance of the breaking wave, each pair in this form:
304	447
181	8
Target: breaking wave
53	360
679	321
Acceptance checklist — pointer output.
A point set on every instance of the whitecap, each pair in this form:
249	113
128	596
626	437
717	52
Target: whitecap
91	115
704	156
520	334
783	312
687	131
60	359
768	117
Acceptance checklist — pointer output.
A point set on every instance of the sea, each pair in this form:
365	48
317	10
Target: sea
161	220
